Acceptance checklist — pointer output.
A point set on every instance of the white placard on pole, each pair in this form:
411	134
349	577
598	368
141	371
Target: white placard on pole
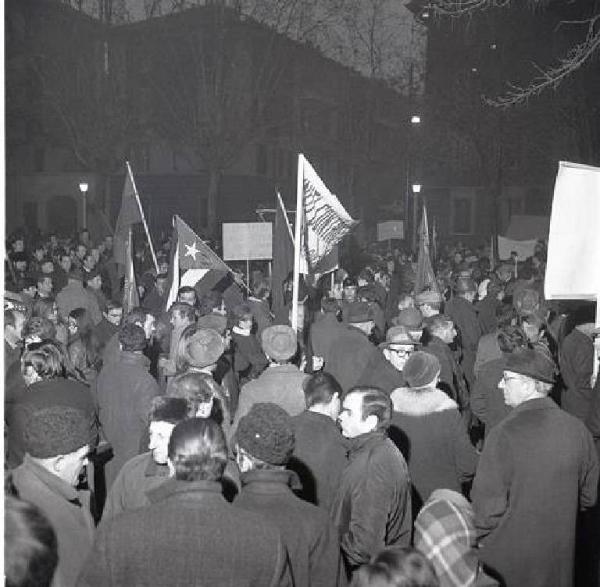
243	241
390	229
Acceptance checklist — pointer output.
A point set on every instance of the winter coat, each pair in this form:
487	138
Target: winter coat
576	359
278	384
67	509
124	391
44	394
372	507
261	314
538	468
464	316
488	350
72	296
307	532
487	399
188	535
354	360
430	433
324	332
249	361
320	457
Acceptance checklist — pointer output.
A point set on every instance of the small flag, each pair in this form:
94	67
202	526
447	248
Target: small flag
130	293
128	215
425	279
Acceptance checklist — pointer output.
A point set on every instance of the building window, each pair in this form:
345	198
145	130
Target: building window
462	215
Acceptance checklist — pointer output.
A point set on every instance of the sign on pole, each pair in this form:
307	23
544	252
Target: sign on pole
390	229
247	241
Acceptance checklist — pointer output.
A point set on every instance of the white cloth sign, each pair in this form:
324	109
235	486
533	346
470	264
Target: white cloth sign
573	267
523	249
390	229
247	240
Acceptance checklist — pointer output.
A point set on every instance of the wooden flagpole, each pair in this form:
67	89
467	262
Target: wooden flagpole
287	221
137	198
297	239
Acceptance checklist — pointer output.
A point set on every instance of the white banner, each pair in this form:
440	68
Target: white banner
390	229
244	241
573	267
524	249
326	221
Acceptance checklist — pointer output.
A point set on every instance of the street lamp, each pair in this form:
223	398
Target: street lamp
83	188
415	119
416	188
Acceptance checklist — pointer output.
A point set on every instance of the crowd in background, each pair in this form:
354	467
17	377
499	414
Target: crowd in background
447	437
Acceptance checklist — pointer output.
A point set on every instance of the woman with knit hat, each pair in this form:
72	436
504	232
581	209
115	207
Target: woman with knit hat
429	431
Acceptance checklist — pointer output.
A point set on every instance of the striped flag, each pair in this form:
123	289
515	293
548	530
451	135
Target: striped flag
325	222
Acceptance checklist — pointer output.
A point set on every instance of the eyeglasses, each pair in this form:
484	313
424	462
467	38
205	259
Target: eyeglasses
401	352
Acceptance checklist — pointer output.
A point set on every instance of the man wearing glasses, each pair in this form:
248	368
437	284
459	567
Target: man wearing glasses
537	470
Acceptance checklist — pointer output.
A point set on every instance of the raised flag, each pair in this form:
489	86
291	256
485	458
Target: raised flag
130	293
325	222
425	278
283	256
128	216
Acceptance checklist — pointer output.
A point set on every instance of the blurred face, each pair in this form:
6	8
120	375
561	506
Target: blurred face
53	314
178	321
350	418
89	262
515	387
149	326
95	254
350	293
448	333
95	283
21	265
81	251
45	286
108	242
69	467
163	267
188	297
161	285
18	246
160	433
532	331
72	325
114	316
48	267
66	262
398	354
39	254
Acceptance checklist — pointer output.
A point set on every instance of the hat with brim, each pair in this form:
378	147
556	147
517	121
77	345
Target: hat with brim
279	342
359	312
531	363
398	336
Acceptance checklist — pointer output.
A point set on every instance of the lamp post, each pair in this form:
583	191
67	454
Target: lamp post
416	189
83	188
415	121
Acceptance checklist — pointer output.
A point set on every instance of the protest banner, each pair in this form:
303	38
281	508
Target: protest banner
243	241
390	229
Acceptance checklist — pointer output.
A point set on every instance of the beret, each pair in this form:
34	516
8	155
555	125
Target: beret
279	342
205	347
420	369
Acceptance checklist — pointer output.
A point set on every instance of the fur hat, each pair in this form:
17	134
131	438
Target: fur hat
279	342
411	318
266	433
213	321
57	430
205	347
420	369
531	363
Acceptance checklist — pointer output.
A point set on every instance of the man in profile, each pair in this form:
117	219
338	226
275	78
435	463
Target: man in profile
189	534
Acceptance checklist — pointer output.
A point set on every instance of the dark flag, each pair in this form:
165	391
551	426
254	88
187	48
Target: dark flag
425	279
283	256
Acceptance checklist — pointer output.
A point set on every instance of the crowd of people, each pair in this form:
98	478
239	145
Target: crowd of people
443	437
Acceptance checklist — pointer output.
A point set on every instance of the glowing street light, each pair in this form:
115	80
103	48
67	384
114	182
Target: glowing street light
83	188
415	119
416	188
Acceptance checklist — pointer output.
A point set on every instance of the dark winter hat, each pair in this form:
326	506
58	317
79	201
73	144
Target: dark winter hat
527	301
214	322
19	257
359	312
421	369
411	318
57	430
205	347
350	282
89	275
266	433
279	342
168	409
531	363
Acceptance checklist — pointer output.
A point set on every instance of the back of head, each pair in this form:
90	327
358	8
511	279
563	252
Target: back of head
420	370
185	311
195	388
132	337
135	316
511	338
198	347
436	323
168	409
45	358
198	450
397	567
31	548
330	306
40	328
320	388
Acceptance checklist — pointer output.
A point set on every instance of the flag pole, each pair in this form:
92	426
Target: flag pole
137	199
287	221
297	240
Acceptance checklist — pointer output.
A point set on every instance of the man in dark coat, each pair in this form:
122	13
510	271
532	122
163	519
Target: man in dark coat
57	442
320	451
144	472
354	360
326	328
372	508
189	534
265	440
464	315
538	469
124	391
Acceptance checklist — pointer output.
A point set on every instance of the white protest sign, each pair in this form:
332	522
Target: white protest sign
524	249
390	229
244	241
573	266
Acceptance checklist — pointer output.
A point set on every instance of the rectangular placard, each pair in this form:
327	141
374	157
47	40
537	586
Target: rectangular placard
247	241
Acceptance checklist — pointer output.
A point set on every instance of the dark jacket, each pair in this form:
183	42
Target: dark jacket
538	468
464	316
189	535
324	332
372	508
307	532
487	399
43	394
104	331
430	433
320	457
67	510
576	359
124	391
249	361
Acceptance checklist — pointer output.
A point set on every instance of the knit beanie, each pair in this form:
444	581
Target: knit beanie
58	430
266	433
420	369
411	318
